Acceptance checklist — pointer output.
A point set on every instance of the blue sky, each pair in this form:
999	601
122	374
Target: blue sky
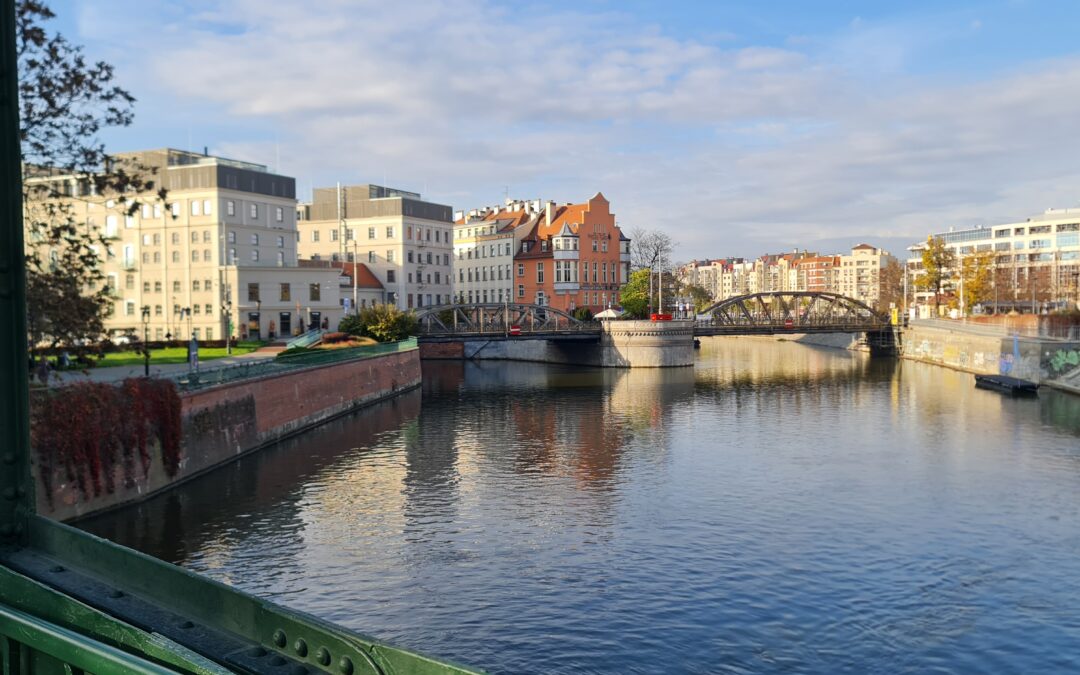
737	127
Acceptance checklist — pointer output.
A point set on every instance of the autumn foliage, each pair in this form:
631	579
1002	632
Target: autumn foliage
85	429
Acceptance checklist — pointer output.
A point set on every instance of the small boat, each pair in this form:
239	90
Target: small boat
1013	386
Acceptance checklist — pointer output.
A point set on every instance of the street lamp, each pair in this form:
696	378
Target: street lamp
146	339
227	308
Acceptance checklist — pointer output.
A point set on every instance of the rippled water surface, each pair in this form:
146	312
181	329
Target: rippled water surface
777	508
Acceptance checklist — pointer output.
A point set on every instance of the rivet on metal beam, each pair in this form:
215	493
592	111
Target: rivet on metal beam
322	655
345	665
280	638
300	646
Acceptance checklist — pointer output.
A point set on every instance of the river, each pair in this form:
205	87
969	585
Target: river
777	508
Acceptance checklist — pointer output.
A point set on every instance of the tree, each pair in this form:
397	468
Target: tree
635	294
699	296
891	285
64	102
649	248
977	271
938	261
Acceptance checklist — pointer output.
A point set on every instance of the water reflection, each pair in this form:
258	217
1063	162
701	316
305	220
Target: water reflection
777	508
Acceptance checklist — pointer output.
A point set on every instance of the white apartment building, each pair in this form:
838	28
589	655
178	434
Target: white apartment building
224	221
485	241
404	241
1036	261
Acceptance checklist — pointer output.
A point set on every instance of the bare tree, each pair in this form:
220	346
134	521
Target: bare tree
649	247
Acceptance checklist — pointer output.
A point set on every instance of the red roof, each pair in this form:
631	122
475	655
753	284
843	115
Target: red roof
364	277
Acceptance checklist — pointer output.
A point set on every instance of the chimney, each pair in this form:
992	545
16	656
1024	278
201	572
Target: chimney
550	212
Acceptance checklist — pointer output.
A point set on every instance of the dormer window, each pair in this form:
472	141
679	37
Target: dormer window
524	247
544	245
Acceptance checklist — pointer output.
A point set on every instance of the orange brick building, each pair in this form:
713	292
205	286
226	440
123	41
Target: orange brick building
574	256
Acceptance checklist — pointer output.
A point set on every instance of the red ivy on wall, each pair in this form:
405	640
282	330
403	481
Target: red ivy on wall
84	429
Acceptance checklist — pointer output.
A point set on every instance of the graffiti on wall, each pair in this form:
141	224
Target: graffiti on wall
1064	359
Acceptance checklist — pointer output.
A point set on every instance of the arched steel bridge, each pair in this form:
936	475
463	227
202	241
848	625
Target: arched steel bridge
754	314
791	312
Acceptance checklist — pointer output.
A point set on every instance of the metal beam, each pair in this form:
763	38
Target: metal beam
16	485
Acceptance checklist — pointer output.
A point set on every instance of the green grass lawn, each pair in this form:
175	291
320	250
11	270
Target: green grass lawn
174	355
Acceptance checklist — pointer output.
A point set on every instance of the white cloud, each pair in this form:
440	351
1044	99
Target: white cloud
730	149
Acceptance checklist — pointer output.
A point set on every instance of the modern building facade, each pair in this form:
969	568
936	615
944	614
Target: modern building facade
404	241
1036	262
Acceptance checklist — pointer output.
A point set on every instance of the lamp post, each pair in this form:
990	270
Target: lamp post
146	339
227	308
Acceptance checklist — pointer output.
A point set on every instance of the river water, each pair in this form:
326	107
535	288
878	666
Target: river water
778	508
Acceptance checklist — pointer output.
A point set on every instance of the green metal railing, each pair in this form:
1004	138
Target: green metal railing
306	340
285	363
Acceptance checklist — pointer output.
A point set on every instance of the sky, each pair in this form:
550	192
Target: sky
737	127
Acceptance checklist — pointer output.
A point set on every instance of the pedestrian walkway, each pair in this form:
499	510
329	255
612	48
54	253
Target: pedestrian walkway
119	373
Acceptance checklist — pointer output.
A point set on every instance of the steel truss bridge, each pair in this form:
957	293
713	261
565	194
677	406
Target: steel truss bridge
791	312
754	314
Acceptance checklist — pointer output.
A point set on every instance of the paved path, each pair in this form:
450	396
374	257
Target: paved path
118	373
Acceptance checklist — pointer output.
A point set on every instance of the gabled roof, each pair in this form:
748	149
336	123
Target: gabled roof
365	278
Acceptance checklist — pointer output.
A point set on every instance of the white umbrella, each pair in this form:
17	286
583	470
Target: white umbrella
609	313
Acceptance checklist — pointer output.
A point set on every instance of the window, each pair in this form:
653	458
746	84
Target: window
333	235
176	238
157	286
539	272
1018	231
254	240
194	237
195	309
196	207
1039	229
1039	243
206	207
254	255
390	256
157	240
315	235
594	245
232	256
521	269
129	282
1069	227
207	285
1001	233
253	292
175	256
146	287
281	242
371	256
230	208
194	256
409	256
157	312
176	208
176	286
206	236
389	232
371	233
314	292
195	285
129	308
390	277
145	210
157	210
279	214
1068	239
253	210
206	255
281	259
286	292
409	277
232	237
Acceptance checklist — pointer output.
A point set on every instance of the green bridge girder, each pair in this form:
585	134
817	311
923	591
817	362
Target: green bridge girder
73	603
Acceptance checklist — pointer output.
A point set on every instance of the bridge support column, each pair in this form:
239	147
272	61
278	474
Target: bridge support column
647	344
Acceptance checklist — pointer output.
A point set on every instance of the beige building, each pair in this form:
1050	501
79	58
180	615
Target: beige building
858	275
404	241
278	302
485	241
223	221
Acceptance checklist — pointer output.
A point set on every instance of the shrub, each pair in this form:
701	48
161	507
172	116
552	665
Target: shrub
583	314
385	323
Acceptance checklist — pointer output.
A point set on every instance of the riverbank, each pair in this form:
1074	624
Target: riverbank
221	423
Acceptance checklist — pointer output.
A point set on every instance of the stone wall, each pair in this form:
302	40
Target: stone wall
225	422
647	344
1035	359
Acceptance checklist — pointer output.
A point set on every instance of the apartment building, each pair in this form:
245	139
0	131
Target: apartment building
226	224
404	241
573	256
816	273
859	274
1035	261
485	242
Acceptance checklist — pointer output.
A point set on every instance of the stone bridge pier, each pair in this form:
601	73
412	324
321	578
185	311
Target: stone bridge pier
647	344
